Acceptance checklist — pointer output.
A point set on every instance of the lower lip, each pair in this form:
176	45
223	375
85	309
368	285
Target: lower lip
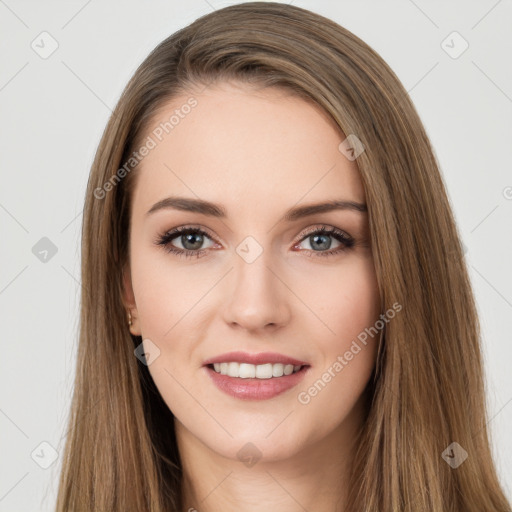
256	389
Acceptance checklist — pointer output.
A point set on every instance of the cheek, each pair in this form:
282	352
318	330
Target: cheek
164	293
348	306
357	306
346	302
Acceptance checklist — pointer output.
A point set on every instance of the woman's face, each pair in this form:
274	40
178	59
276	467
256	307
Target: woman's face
252	277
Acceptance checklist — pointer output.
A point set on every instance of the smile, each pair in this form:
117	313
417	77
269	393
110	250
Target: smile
259	371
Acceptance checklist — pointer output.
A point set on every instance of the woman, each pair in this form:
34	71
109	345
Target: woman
276	310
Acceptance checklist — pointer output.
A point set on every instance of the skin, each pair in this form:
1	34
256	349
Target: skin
258	152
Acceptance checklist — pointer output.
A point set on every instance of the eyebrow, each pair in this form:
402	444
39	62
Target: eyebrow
216	210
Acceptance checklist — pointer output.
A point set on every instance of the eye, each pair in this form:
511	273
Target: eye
319	238
192	238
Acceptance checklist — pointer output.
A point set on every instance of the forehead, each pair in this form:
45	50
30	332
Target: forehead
246	148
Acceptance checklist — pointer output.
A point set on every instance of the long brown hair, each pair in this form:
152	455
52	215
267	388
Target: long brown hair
428	386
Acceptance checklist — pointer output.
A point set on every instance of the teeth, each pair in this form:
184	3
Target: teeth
251	371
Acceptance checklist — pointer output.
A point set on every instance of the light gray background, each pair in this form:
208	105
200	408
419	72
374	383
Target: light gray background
53	112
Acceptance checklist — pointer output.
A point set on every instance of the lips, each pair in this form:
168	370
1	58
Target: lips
260	358
255	388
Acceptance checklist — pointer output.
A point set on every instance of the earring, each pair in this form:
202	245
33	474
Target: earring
129	318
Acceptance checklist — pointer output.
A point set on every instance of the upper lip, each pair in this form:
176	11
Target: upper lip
260	358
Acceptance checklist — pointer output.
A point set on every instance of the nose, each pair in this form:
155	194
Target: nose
258	298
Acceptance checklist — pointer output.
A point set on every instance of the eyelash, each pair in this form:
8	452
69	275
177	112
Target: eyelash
164	241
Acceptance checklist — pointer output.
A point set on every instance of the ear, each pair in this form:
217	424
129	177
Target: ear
129	301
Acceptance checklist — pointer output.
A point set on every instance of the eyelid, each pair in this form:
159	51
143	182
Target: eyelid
189	227
172	233
323	227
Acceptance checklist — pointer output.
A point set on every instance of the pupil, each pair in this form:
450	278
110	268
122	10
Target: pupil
189	238
324	245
